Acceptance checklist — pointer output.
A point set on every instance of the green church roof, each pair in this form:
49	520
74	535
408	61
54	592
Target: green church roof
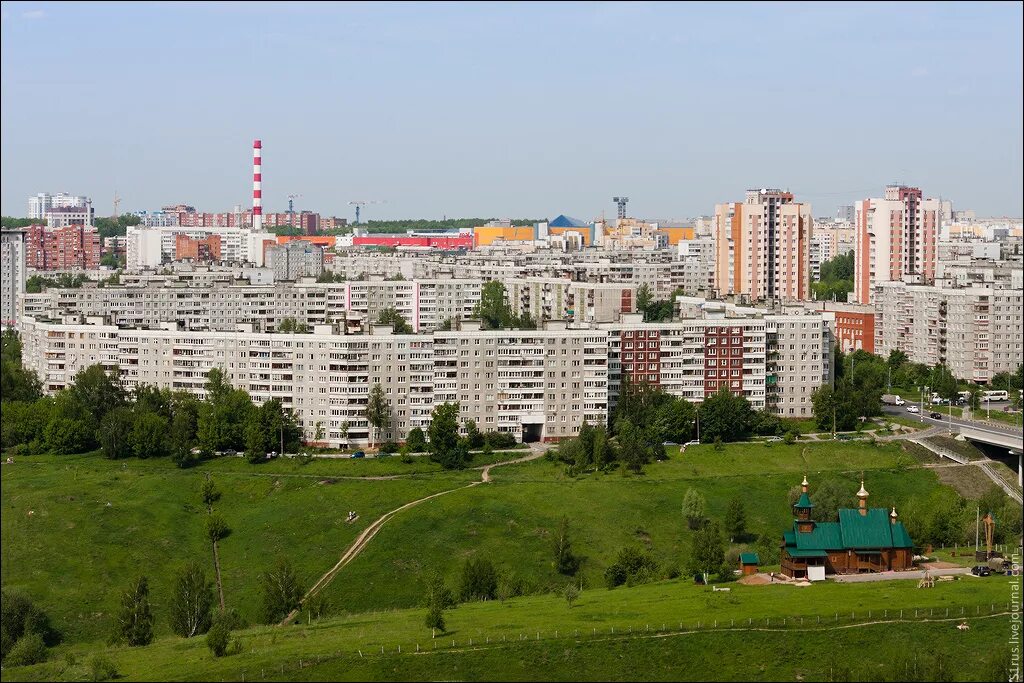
749	558
804	502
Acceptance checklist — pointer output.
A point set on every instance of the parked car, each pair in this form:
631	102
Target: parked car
935	416
981	570
359	454
913	409
691	443
773	439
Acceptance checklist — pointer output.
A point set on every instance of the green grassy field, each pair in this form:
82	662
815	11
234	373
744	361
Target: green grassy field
57	524
154	524
761	633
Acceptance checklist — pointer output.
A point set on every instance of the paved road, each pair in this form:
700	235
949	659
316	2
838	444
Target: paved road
995	428
889	576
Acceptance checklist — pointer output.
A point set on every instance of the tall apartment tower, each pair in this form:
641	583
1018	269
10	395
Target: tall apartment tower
12	275
896	240
762	246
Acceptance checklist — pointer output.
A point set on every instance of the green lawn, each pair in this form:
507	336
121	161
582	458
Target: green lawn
74	553
800	425
608	634
77	529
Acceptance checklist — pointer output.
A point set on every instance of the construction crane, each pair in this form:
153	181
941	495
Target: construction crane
359	203
621	201
291	207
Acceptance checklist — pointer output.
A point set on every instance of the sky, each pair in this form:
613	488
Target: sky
510	110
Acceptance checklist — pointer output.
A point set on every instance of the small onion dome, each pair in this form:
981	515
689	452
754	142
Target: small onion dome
862	493
893	514
804	482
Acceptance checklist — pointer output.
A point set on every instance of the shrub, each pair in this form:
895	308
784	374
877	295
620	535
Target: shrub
479	580
218	638
499	439
30	649
632	566
416	441
101	668
389	448
790	437
216	527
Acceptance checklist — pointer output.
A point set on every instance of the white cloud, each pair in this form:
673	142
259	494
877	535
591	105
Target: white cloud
33	14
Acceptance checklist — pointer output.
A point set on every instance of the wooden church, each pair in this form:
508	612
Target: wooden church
863	540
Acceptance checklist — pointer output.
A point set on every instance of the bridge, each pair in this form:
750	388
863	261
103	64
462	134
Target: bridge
996	437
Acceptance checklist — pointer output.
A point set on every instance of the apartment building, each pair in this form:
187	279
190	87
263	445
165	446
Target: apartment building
563	299
153	246
65	216
12	275
295	259
775	361
536	385
220	302
763	246
853	325
42	203
693	271
977	332
68	247
896	240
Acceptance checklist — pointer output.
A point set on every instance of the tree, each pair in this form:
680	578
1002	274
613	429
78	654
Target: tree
675	420
209	493
943	382
64	436
219	637
693	508
216	527
416	441
191	602
378	410
184	427
644	298
115	433
445	447
19	617
479	580
571	593
97	391
565	561
634	449
439	598
708	551
149	435
632	565
897	359
135	619
766	423
474	437
726	416
16	382
736	520
391	316
269	428
280	592
29	649
493	311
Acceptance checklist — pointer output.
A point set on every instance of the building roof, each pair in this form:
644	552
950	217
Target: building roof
563	221
873	530
863	533
749	558
804	502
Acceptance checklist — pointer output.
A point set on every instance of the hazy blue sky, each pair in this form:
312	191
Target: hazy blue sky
510	110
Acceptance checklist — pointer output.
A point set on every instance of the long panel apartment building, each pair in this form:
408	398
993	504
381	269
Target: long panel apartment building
977	331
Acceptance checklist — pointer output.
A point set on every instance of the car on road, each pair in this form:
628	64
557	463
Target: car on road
913	409
935	416
981	570
359	454
691	443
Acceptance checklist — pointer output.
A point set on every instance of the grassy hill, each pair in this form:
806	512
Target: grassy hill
664	631
57	523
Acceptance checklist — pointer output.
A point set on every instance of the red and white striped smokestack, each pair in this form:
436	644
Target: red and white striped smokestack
257	186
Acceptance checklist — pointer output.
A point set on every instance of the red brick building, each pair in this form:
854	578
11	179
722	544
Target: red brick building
72	247
207	249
